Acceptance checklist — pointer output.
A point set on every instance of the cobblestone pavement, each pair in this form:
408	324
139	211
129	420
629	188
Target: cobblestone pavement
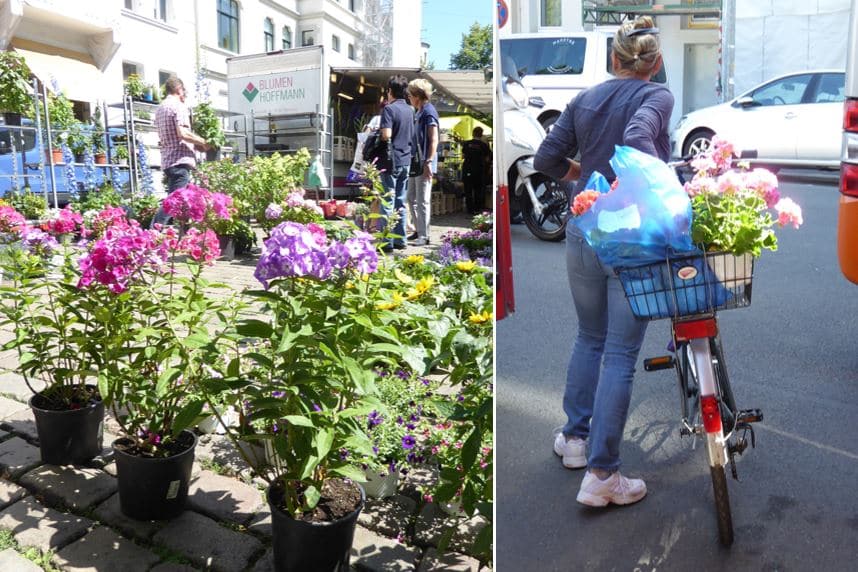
72	513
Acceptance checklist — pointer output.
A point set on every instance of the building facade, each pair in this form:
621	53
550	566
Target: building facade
99	43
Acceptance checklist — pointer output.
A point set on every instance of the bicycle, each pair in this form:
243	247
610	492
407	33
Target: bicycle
689	289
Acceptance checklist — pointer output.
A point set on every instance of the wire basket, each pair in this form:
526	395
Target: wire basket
686	285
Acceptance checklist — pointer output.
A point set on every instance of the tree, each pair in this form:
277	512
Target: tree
476	50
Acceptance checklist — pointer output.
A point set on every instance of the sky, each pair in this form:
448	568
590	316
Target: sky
444	22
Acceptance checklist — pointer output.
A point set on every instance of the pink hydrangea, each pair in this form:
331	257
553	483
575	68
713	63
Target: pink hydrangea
789	213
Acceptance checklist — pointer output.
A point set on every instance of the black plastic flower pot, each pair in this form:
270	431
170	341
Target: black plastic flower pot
71	436
317	546
154	488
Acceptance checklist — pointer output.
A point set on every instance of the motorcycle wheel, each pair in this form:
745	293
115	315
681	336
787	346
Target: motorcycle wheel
551	224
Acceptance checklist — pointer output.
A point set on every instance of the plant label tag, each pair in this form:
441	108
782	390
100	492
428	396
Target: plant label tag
686	273
101	430
173	490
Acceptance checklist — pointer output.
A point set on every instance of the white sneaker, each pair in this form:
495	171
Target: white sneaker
615	489
420	241
573	450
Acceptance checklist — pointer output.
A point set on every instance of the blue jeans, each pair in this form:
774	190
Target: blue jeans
597	405
395	183
178	176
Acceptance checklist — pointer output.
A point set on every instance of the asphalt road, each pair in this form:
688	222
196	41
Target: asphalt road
793	353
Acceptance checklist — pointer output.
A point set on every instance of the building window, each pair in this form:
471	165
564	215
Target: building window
352	5
129	4
269	35
162	10
287	37
351	51
129	68
163	76
307	38
227	24
550	12
335	43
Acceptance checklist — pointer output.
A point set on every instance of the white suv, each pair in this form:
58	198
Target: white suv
555	68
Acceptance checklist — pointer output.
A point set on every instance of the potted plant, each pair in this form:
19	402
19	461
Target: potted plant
206	124
61	113
157	321
15	89
121	154
143	208
99	145
135	87
79	139
302	386
56	339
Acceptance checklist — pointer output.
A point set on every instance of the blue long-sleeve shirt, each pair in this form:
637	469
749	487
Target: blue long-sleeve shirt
629	112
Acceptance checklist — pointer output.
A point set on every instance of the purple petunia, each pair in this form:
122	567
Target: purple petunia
374	419
408	442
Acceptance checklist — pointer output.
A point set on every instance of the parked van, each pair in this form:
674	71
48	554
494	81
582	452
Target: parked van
20	164
557	67
847	223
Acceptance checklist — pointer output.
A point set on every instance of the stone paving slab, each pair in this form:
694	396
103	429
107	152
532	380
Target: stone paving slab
449	561
45	528
23	424
224	498
373	552
13	384
109	513
10	406
10	493
261	523
388	516
17	457
11	561
433	522
102	550
79	488
419	478
206	543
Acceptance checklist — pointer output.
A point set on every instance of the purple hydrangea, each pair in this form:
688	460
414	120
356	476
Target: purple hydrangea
273	211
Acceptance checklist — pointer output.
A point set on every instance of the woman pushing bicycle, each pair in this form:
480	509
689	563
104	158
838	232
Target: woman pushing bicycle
625	110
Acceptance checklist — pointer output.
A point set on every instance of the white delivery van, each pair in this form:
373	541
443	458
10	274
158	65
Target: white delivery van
556	67
847	224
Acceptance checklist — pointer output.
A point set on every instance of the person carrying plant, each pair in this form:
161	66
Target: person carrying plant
177	141
625	110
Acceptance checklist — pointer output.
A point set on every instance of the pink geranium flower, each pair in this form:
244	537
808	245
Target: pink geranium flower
789	213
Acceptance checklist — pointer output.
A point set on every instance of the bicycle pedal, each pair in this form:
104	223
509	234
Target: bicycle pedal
749	416
657	363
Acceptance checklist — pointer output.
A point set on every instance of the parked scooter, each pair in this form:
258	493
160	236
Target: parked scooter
541	201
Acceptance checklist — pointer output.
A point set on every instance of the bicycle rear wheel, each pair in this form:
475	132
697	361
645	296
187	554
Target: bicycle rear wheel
716	444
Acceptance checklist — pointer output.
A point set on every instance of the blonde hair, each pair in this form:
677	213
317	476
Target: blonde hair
637	53
420	88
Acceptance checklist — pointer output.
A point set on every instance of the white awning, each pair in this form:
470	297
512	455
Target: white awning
79	80
468	86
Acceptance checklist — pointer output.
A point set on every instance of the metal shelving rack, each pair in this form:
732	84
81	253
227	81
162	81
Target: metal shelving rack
290	132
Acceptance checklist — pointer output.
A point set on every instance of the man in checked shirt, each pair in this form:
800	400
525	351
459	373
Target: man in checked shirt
177	141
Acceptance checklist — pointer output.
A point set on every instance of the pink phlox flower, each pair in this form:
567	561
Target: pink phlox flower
10	220
120	256
66	221
188	204
201	246
222	206
110	217
789	213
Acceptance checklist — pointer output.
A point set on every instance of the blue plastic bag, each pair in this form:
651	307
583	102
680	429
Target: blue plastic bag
644	218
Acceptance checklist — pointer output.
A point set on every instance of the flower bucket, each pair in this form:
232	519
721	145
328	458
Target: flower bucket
380	487
342	209
329	209
69	437
55	154
154	488
300	546
732	270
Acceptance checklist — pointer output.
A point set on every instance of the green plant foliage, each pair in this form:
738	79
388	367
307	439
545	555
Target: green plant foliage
206	124
134	86
15	88
28	203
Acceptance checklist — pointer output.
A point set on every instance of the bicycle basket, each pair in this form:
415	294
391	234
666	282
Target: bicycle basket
688	284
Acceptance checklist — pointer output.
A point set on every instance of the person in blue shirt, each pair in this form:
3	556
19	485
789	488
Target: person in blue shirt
426	137
625	110
397	127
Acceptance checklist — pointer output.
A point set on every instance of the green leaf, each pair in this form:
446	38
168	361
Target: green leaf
254	329
324	441
299	420
197	340
168	377
415	357
309	466
261	359
312	496
186	416
234	367
350	472
470	450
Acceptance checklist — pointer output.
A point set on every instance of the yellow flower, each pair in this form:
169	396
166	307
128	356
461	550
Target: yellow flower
402	277
424	284
466	265
364	277
397	300
414	259
480	318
